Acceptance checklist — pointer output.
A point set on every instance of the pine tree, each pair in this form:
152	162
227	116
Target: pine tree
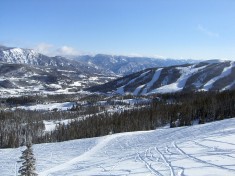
28	162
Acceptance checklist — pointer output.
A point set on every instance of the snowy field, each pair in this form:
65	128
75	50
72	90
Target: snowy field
198	150
48	107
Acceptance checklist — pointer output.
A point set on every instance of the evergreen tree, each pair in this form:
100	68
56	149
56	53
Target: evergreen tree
28	162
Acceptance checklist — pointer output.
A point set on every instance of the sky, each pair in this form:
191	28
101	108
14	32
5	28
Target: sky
190	29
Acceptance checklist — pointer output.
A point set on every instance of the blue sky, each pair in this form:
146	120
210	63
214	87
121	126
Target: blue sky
197	29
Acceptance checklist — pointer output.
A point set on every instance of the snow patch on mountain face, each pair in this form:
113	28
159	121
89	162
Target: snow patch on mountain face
113	60
229	86
120	90
154	79
177	86
137	90
18	55
76	83
55	86
226	71
93	78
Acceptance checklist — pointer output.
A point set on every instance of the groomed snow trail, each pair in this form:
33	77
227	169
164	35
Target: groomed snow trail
186	72
226	71
154	79
120	90
207	149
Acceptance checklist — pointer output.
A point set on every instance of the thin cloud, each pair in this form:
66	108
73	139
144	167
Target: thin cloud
206	31
51	50
67	51
44	48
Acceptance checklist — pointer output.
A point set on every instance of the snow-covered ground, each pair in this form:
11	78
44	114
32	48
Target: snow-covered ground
48	107
226	71
198	150
186	73
120	90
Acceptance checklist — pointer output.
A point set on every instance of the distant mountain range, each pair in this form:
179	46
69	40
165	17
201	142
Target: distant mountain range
124	65
31	57
100	63
203	76
24	70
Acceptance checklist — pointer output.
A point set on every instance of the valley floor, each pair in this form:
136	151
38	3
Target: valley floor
207	149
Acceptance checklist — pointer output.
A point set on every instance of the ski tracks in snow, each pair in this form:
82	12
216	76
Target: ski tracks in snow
170	152
167	163
200	160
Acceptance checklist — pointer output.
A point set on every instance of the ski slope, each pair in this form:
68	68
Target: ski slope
207	149
226	71
120	90
186	73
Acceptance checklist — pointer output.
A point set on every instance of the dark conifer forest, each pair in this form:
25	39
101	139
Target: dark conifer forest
175	110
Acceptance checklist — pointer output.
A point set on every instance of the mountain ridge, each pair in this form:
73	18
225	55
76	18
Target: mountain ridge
124	65
203	76
31	57
26	69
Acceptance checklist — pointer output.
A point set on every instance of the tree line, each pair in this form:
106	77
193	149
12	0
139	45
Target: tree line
177	109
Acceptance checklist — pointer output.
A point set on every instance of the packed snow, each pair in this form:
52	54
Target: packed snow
137	90
226	71
120	90
154	79
207	149
180	83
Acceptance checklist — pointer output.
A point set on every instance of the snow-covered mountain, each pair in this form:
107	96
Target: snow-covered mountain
124	65
206	149
31	57
24	70
100	63
22	78
207	75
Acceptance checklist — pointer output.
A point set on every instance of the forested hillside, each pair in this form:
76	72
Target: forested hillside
204	76
176	109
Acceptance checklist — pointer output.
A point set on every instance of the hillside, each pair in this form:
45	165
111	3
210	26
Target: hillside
18	79
26	71
207	75
31	57
197	150
124	65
